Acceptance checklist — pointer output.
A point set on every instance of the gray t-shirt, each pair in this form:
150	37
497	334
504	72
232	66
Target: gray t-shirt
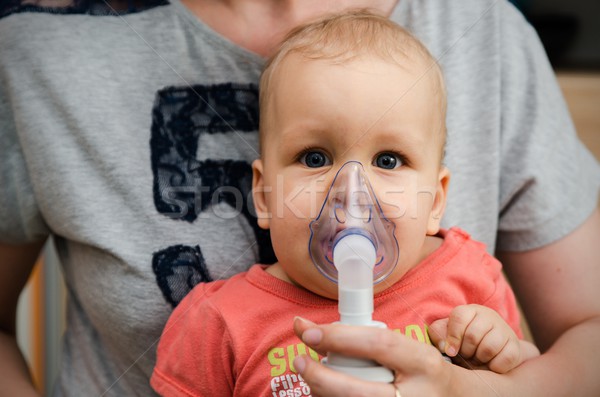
118	133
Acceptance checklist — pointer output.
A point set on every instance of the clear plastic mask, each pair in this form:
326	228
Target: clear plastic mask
351	207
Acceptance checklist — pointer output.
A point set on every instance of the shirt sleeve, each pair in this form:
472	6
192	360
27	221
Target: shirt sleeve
20	217
549	180
194	356
502	298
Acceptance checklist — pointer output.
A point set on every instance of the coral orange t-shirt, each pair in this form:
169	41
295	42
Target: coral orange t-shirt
235	338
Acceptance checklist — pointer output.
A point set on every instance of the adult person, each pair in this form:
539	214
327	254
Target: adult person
120	132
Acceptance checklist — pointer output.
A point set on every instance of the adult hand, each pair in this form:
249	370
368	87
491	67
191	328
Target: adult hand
419	368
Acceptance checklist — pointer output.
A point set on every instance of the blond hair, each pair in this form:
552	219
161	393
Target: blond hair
343	37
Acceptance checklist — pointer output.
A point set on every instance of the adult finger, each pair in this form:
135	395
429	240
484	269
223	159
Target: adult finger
324	381
390	349
309	332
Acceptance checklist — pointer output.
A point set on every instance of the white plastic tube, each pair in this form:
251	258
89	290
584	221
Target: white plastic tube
354	257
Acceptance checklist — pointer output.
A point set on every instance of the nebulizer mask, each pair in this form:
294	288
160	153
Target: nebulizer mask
352	243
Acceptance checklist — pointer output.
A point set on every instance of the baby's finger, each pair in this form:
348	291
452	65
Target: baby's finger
477	329
491	345
508	358
437	331
459	320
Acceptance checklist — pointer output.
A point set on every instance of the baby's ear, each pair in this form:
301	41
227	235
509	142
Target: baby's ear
258	195
439	202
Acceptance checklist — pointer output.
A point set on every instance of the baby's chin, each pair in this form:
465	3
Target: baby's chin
311	280
325	289
399	271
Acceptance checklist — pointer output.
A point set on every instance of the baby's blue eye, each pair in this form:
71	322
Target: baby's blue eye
388	161
314	159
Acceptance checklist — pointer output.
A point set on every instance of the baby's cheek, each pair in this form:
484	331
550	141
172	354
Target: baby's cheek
393	204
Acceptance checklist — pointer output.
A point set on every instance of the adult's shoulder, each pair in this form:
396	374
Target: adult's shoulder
455	11
446	26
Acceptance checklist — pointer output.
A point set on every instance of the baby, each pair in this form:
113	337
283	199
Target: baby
352	87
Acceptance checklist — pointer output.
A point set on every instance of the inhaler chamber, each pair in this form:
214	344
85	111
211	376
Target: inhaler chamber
351	207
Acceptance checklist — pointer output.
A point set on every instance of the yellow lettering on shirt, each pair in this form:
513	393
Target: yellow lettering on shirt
416	332
282	358
277	361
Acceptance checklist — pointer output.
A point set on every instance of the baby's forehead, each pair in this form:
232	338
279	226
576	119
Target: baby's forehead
419	69
411	57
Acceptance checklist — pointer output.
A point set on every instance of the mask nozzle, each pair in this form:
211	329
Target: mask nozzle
354	257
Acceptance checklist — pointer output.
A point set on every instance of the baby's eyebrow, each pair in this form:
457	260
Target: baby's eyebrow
303	131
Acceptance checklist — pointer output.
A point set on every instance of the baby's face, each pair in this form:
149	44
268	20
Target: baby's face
321	115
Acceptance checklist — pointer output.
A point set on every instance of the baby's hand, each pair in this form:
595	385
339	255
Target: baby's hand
479	336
